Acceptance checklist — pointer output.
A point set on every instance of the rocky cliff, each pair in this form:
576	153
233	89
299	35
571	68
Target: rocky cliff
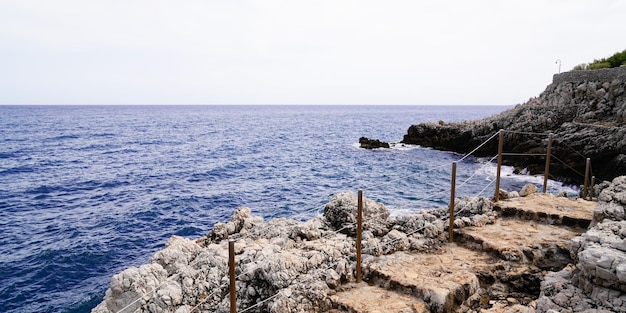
585	110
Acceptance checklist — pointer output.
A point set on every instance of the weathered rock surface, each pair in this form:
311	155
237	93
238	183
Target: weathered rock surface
497	265
297	265
528	189
597	281
586	113
548	209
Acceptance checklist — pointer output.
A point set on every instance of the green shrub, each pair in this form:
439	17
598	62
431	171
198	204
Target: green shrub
616	60
597	65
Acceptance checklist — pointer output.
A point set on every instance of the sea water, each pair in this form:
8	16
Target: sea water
87	191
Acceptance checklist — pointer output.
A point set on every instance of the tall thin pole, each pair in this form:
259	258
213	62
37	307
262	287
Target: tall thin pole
586	183
452	189
500	144
359	234
593	182
547	171
231	273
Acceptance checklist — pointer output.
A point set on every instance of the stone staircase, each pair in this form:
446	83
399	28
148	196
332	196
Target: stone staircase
494	268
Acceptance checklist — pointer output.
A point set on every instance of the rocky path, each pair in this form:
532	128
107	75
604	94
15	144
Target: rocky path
540	253
493	268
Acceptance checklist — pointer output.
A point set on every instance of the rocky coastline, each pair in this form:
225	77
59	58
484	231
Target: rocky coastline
285	265
585	110
504	259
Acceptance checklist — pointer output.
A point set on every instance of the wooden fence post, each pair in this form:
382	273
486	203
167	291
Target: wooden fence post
231	273
500	144
452	190
547	171
586	183
359	234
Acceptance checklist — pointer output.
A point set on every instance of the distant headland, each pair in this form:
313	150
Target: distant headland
585	110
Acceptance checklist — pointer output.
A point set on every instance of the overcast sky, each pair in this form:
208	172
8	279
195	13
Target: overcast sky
297	52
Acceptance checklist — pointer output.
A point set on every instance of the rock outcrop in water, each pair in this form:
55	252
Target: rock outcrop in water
586	110
367	143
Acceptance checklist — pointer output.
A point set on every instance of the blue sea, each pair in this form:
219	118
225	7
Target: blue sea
87	191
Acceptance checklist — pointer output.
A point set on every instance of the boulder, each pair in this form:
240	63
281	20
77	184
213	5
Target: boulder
528	189
503	194
341	214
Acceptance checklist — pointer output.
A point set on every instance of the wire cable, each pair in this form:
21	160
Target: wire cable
260	302
523	154
572	148
207	297
525	133
567	165
405	177
481	192
480	146
476	172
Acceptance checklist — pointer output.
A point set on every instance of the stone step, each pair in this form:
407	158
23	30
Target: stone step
548	209
511	239
492	268
364	298
442	280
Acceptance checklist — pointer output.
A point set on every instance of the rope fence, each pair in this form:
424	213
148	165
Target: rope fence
588	183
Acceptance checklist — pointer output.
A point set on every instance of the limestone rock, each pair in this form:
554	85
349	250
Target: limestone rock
395	241
598	279
128	287
608	210
615	193
503	194
178	252
528	189
341	213
242	220
298	264
558	294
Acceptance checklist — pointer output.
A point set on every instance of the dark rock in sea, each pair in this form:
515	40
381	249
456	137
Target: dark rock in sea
585	112
367	143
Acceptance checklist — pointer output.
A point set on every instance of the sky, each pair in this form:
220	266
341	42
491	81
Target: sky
455	52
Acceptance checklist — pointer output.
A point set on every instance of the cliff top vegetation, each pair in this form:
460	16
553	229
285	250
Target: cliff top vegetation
616	60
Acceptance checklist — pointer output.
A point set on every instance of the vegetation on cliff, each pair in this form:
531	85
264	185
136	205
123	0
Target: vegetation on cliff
616	60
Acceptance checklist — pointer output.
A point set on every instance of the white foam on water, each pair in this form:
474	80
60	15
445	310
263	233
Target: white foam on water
507	174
